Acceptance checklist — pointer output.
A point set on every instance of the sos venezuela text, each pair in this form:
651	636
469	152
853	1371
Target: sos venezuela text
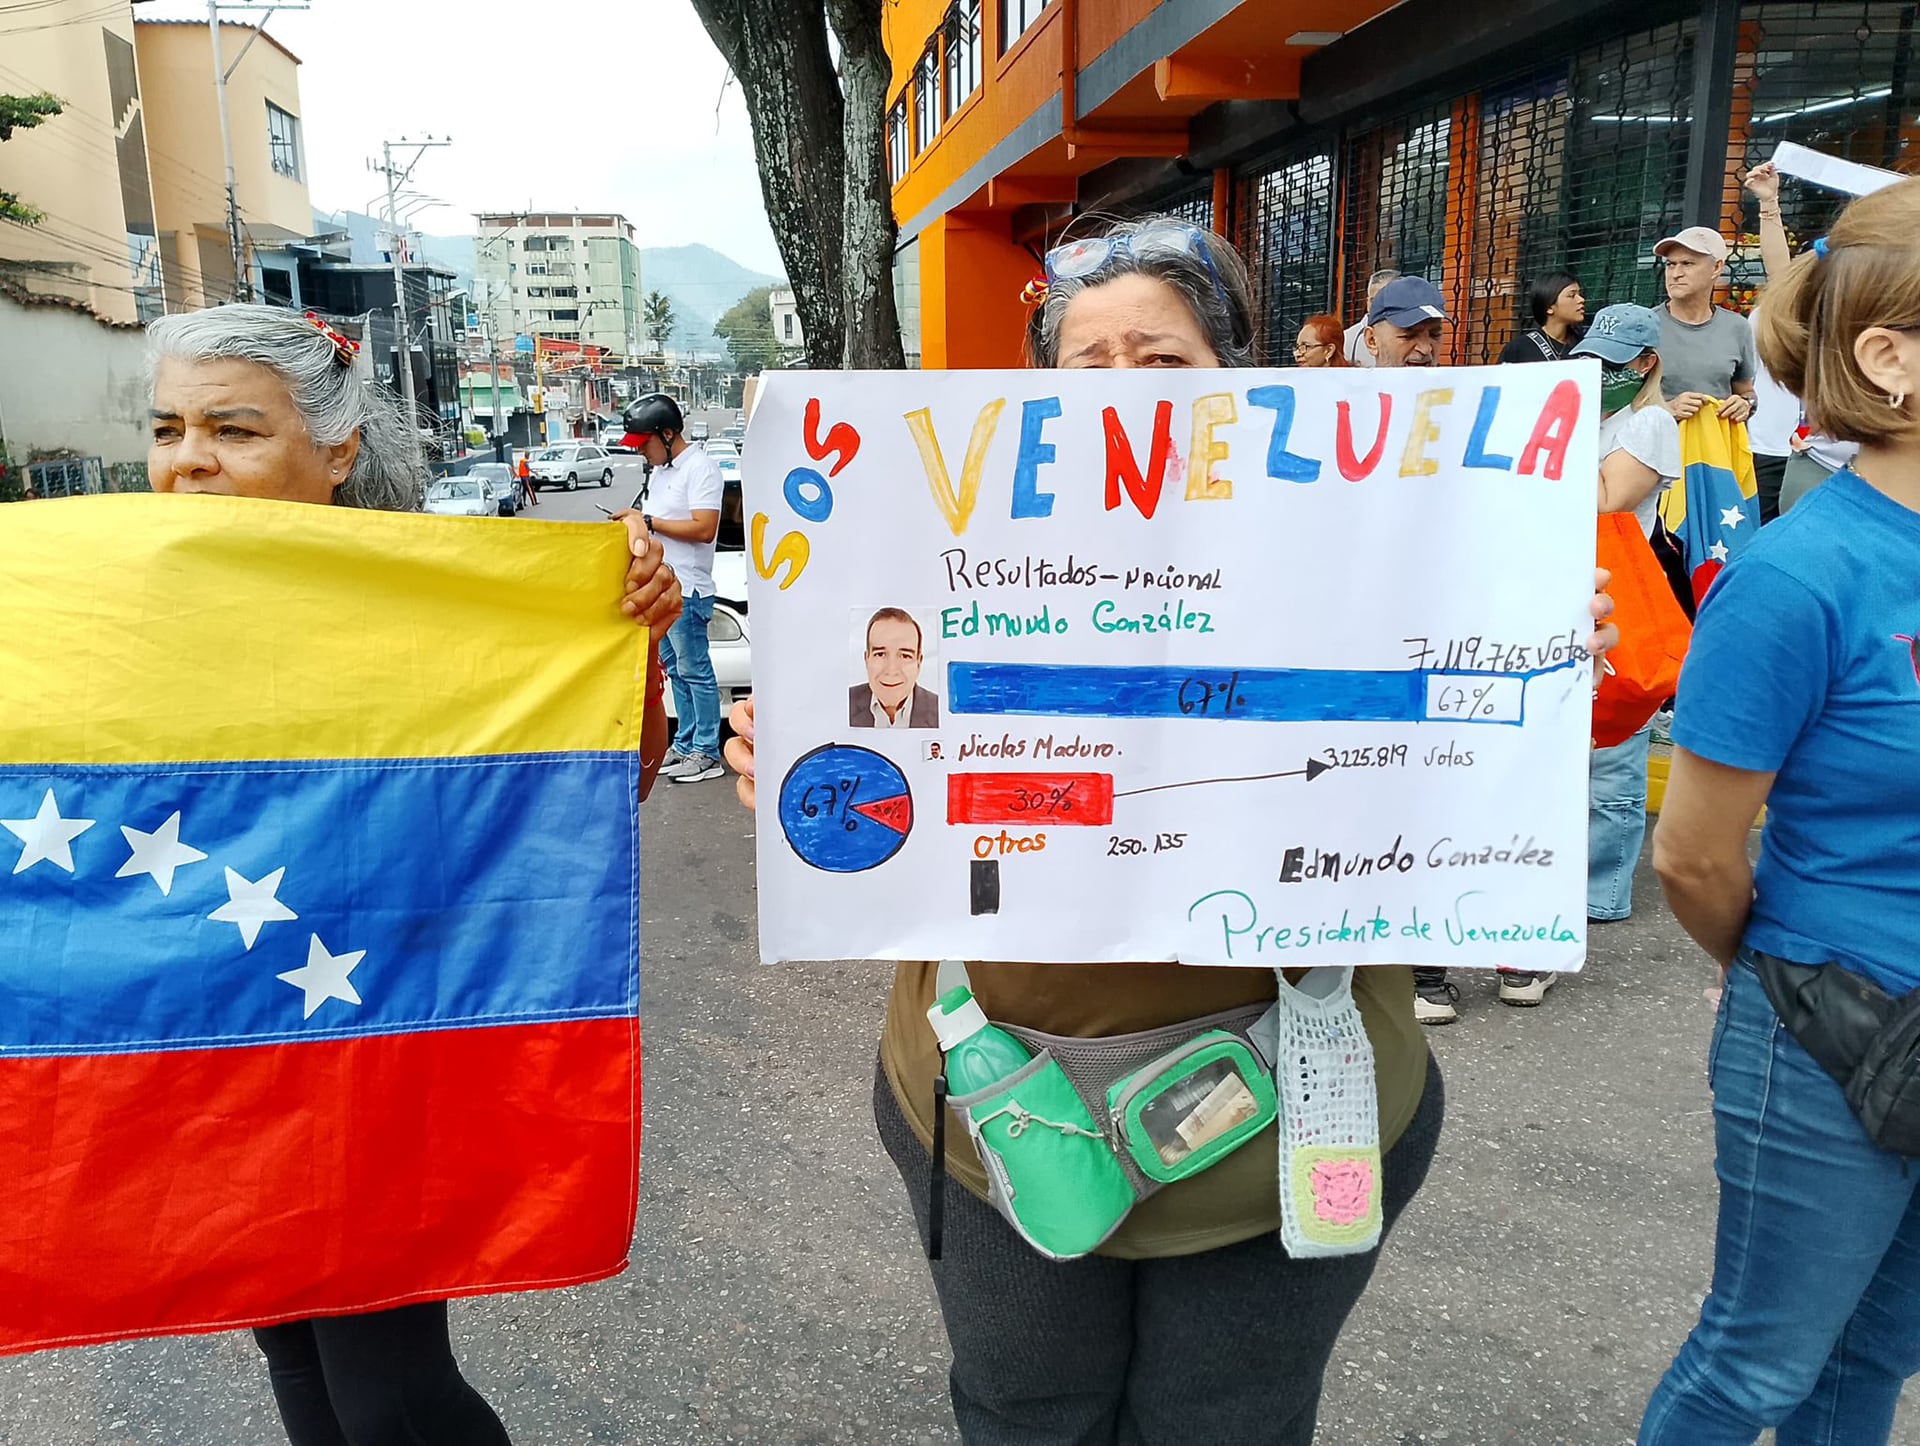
1129	481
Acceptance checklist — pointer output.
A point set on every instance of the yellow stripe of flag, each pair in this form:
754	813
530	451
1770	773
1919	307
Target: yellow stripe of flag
287	630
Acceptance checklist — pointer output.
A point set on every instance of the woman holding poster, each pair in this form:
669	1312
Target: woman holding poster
1802	693
1192	1320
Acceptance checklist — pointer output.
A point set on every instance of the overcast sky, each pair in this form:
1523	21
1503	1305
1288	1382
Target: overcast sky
594	105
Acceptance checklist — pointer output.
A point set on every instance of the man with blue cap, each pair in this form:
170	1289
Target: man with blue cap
1406	323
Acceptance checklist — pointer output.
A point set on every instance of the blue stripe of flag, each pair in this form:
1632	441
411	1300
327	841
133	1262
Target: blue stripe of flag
481	891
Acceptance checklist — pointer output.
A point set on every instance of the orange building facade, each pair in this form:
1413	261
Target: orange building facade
1476	142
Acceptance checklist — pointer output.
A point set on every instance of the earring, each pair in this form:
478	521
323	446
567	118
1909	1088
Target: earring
1896	400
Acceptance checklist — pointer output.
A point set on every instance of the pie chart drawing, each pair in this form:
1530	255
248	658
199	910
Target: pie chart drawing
844	809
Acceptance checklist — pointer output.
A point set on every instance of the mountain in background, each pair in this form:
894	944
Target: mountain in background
701	282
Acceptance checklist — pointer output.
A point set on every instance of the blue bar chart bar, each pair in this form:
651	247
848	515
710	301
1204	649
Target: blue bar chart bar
1254	695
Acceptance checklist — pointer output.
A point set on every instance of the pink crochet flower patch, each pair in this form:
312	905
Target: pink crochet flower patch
1342	1190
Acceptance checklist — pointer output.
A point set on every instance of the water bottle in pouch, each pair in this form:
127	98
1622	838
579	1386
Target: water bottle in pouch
1050	1172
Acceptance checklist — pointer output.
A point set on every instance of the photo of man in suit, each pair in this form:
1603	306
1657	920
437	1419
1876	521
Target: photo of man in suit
892	696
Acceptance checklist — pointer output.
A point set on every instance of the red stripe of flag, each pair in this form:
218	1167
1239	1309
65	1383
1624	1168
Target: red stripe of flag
198	1190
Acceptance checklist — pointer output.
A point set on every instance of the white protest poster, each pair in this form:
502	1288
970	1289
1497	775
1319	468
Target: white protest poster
1263	668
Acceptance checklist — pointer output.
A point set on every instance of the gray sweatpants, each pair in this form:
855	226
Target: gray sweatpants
1229	1345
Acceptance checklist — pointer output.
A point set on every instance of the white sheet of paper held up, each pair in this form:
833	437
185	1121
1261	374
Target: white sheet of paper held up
1833	172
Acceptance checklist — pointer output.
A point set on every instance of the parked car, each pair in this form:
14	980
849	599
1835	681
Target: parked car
462	497
612	437
568	464
511	492
729	639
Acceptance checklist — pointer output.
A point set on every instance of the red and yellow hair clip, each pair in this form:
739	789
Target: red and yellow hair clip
1034	292
345	348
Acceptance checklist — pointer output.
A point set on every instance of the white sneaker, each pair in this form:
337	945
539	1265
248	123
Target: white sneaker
698	769
1523	988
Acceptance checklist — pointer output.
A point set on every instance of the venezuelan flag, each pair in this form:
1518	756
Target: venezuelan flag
1714	512
319	912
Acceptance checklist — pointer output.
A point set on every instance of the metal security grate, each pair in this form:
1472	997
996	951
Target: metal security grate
1286	234
1194	207
1840	77
1397	176
1520	165
1626	159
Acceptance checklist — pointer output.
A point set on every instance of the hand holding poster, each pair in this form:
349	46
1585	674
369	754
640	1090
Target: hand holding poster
1253	668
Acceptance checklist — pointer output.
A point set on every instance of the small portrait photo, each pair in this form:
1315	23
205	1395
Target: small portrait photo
893	648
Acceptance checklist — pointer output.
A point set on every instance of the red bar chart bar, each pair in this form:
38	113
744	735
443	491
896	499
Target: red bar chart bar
1056	800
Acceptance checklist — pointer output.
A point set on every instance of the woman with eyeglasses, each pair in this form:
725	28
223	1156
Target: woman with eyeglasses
1319	343
1192	1322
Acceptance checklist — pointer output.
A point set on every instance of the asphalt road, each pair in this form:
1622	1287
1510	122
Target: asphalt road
1532	1294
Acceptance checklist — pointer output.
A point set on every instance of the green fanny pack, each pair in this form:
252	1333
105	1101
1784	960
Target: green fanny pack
1087	1128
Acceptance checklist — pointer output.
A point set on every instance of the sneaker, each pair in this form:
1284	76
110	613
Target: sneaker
1663	727
1434	1001
1523	988
673	758
698	769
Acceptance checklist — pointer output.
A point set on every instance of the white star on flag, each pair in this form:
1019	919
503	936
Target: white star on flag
249	905
46	835
1731	517
324	976
1718	552
158	853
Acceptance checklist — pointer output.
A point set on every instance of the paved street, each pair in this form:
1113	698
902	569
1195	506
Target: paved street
1531	1295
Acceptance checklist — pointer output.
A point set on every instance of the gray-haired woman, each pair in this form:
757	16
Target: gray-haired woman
252	401
1192	1322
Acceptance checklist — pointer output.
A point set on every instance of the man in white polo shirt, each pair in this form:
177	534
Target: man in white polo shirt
684	493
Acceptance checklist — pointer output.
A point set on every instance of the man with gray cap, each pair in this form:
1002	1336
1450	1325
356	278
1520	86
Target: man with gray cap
1706	351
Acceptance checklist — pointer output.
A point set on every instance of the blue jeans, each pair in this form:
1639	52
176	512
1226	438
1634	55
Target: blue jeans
696	696
1616	824
1814	1319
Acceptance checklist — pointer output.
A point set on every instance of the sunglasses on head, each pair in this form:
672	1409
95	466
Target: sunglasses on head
1091	255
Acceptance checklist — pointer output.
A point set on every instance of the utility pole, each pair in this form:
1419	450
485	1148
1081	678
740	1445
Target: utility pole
222	72
493	370
396	177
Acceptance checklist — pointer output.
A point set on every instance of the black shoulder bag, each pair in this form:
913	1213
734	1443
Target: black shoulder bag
1865	1038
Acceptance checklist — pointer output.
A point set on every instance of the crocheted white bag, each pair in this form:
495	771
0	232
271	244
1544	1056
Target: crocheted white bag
1329	1116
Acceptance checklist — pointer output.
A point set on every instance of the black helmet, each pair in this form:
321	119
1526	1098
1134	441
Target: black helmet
650	416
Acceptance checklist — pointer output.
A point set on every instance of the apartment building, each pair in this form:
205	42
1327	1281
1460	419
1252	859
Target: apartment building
565	276
269	159
86	169
129	175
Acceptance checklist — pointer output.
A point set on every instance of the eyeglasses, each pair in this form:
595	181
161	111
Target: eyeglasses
1301	350
1090	255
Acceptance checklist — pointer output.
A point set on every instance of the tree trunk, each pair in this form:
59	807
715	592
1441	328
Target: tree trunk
778	52
869	234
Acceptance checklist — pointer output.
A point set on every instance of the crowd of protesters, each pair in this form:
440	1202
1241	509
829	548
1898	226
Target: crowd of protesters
1801	694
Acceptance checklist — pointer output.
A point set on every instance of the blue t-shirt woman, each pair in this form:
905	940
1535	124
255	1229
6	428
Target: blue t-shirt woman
1802	693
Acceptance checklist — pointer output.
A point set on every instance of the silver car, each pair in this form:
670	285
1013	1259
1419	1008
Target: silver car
462	497
568	464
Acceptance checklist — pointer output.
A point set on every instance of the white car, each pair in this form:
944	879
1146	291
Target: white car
729	639
720	447
568	464
463	497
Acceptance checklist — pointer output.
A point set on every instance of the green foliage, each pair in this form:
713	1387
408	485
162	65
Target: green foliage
657	312
747	329
23	112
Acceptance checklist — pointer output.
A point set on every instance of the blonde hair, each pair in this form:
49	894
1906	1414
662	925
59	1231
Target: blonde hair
1650	394
1867	274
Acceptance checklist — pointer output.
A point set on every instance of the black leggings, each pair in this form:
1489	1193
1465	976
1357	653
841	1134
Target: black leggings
387	1378
1225	1345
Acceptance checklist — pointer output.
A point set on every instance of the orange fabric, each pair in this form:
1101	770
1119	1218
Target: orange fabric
1654	633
